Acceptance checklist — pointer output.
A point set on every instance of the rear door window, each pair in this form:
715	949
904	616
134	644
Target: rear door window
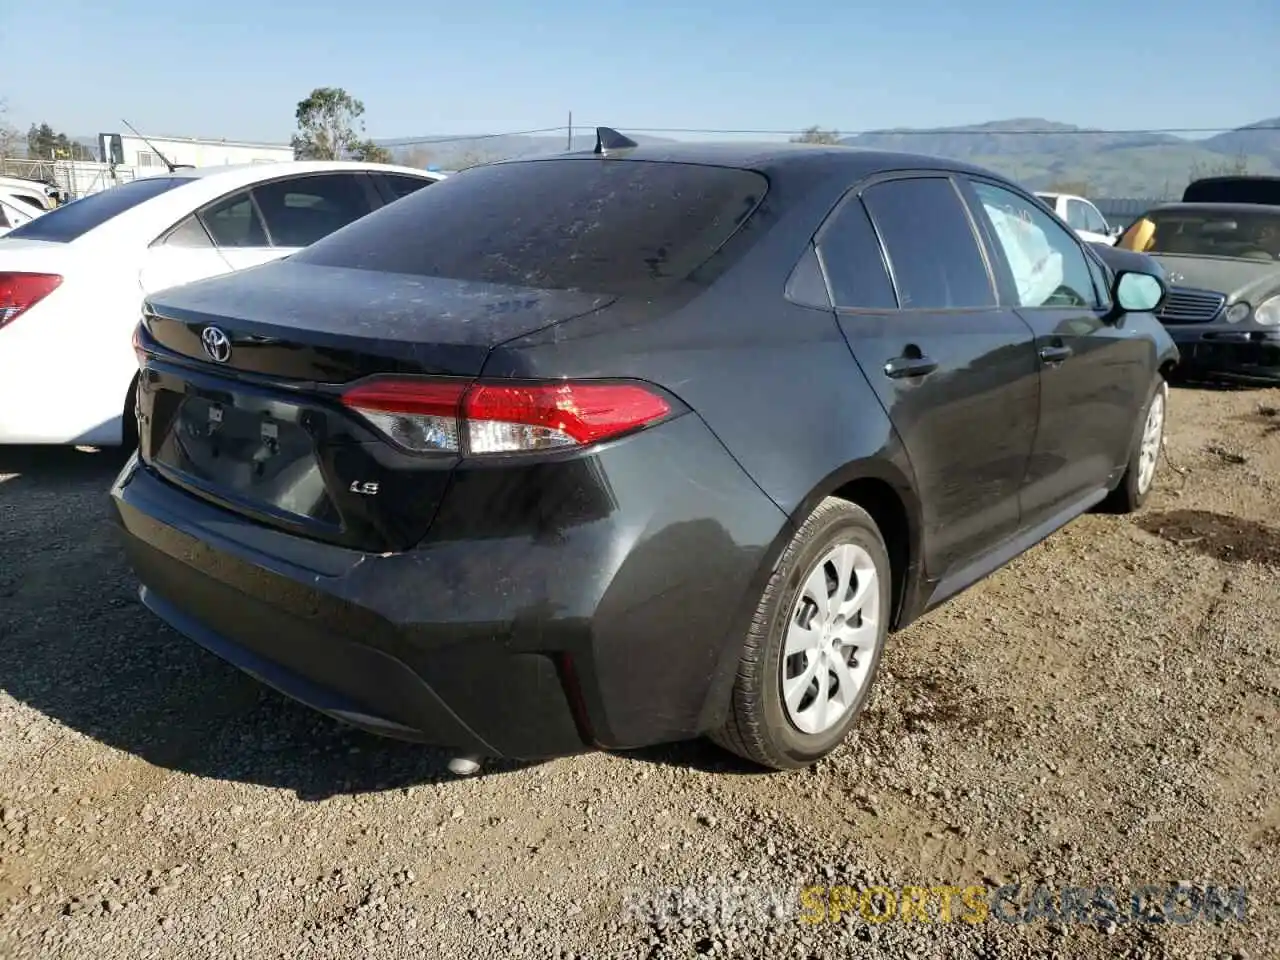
607	226
929	241
854	262
74	220
301	210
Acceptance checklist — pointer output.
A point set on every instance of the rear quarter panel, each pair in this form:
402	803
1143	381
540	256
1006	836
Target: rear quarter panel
774	381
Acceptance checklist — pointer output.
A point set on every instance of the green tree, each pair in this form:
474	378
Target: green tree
330	128
817	135
44	143
371	152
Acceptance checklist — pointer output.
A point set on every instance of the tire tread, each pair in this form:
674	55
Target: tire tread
743	731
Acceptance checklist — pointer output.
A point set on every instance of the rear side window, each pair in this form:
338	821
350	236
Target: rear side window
932	250
608	226
234	222
854	262
188	234
301	210
74	220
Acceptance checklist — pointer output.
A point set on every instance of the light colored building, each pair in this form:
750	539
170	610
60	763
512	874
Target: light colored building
142	156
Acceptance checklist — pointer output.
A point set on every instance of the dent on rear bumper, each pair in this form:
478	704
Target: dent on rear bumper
552	607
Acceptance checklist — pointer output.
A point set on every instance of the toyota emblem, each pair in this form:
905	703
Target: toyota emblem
216	344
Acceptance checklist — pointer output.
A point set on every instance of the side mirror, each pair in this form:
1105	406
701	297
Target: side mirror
1137	292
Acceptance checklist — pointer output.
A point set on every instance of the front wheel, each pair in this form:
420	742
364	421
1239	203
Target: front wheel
1139	476
815	642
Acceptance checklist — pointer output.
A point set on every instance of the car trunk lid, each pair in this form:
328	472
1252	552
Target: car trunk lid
251	418
296	321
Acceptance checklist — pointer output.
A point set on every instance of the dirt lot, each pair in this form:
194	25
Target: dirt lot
1104	711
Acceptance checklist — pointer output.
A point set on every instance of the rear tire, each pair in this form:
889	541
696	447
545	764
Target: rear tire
807	666
1140	475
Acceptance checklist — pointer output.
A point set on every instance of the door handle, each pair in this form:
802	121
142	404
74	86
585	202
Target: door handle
901	367
1054	354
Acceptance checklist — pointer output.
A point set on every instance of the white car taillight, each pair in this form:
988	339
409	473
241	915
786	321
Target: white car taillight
19	292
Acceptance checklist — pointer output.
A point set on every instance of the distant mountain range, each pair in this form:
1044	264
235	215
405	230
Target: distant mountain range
1101	164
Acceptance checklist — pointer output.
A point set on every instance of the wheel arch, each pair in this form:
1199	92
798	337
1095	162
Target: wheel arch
885	491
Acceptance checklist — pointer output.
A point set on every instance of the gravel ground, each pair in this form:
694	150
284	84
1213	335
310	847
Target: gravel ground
1103	711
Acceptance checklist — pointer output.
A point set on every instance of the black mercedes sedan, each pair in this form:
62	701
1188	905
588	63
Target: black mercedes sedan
633	446
1222	264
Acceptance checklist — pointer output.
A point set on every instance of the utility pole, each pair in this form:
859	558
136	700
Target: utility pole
569	145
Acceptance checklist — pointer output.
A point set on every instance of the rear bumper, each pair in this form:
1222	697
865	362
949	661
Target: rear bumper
522	627
1229	352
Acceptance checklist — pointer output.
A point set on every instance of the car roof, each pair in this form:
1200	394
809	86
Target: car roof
284	168
817	161
193	188
1243	208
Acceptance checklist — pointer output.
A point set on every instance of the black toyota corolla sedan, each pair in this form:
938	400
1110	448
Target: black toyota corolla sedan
632	446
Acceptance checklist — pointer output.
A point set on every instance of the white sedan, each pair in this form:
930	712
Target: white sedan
15	210
72	282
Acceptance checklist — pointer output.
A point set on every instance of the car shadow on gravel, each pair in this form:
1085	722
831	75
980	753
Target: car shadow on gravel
701	755
78	646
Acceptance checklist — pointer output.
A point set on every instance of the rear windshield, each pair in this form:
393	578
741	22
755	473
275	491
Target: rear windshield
74	220
1245	235
1234	190
607	226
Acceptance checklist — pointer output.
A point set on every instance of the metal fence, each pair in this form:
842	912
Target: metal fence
1122	211
75	178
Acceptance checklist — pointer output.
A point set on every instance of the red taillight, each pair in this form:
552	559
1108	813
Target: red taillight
19	292
496	418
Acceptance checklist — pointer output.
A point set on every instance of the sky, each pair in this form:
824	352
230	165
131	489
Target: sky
237	68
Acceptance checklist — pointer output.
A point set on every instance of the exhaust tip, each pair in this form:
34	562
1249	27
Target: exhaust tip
465	766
